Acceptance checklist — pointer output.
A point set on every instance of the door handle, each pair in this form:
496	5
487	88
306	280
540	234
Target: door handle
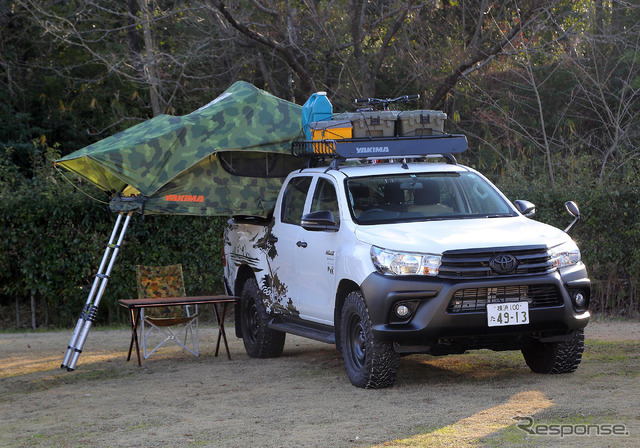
301	244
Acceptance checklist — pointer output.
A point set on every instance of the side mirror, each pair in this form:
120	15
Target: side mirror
525	207
320	221
572	208
574	211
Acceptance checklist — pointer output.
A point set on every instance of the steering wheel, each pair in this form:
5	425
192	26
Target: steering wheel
370	211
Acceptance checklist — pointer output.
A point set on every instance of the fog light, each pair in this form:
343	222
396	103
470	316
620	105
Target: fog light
402	311
579	299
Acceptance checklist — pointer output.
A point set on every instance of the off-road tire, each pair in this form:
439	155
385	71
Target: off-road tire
370	363
259	340
557	357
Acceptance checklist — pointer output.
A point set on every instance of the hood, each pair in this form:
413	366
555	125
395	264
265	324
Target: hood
436	237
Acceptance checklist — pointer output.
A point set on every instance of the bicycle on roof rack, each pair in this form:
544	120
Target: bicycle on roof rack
385	103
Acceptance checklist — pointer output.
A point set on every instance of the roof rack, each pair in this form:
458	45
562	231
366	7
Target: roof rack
382	147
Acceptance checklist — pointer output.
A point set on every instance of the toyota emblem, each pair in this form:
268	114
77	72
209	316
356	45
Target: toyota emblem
503	263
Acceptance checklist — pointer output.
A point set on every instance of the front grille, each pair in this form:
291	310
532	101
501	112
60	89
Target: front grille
470	264
475	299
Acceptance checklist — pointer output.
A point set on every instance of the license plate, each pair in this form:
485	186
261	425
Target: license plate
511	313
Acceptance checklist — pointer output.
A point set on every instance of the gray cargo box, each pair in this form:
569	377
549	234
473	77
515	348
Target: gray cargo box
371	123
421	122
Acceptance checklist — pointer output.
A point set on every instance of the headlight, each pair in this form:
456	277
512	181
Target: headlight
564	254
403	263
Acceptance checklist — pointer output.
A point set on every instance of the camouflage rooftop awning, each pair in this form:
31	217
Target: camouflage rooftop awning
226	158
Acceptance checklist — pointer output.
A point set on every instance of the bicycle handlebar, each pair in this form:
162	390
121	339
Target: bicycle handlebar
387	101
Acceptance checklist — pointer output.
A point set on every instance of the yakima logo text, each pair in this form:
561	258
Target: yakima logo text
372	149
183	198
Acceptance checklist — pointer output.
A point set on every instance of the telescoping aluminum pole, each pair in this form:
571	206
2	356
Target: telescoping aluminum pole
96	281
89	312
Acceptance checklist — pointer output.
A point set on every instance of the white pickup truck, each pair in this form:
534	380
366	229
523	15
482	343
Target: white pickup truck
404	257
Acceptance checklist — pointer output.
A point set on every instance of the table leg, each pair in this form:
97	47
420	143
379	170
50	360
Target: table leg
221	332
135	317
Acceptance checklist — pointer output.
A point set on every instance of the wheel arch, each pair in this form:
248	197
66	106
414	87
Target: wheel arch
244	274
345	288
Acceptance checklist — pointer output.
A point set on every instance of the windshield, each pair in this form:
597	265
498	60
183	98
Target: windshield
424	197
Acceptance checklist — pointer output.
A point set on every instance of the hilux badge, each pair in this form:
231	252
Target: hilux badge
503	263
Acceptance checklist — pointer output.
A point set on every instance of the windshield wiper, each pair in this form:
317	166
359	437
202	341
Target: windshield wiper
498	215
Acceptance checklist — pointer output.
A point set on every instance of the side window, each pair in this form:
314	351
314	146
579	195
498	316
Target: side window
294	197
325	198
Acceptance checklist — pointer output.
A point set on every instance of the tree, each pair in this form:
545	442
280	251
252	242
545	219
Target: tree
150	69
374	26
496	30
313	41
283	37
158	54
568	94
606	72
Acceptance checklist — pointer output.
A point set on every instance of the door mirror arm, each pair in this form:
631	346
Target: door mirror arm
574	211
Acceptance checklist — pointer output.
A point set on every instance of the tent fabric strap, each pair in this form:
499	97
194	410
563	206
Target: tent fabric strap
128	204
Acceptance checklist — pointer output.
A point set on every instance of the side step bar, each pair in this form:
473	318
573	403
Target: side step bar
318	332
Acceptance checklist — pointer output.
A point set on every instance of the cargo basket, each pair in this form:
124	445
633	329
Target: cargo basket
393	147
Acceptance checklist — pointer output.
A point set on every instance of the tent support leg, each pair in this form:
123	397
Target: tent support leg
88	314
94	288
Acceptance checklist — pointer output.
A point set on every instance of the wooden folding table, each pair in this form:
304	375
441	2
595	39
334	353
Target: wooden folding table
134	306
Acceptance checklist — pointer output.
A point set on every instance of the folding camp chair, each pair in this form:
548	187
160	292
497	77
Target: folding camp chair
165	281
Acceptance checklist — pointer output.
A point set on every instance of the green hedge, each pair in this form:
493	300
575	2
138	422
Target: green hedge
52	240
608	236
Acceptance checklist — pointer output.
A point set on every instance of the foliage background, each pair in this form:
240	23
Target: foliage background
546	91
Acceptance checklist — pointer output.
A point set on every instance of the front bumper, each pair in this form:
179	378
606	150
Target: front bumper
434	329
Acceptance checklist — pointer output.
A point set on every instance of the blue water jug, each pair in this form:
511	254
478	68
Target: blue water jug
317	108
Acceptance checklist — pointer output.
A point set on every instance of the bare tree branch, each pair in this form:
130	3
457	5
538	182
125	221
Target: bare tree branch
290	54
478	56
